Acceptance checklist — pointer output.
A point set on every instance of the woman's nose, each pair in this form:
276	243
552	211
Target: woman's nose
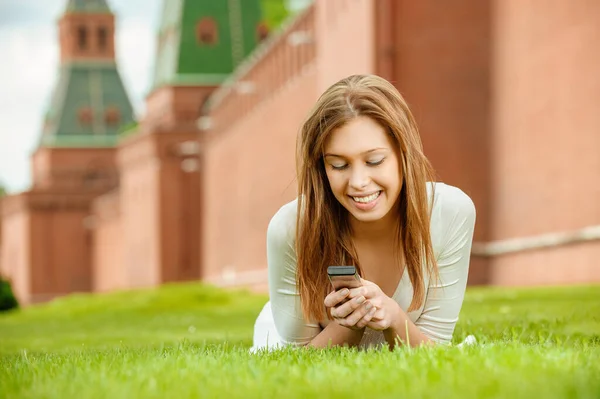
359	178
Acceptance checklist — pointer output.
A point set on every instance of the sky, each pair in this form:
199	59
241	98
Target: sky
29	70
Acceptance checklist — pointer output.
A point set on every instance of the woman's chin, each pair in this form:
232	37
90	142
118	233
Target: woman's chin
366	217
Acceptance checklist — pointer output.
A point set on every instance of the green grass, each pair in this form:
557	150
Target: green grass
189	341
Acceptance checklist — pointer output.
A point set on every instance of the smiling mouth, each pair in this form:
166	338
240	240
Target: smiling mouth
366	199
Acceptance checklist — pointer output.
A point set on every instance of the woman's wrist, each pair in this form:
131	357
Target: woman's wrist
403	331
397	323
353	336
336	335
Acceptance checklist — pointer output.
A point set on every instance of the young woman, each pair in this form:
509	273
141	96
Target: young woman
367	198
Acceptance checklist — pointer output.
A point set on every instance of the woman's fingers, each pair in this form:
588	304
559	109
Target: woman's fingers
367	291
357	315
347	308
336	297
378	315
367	318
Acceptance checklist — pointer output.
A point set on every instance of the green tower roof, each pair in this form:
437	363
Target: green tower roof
88	108
88	6
183	57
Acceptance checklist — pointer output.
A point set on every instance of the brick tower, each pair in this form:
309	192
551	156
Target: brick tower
200	43
47	240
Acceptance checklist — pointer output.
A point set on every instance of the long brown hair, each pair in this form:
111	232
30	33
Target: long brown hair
323	235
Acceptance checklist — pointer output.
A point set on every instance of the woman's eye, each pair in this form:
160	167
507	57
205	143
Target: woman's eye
375	163
339	167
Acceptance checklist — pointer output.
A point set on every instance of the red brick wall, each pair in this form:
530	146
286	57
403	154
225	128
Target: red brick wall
159	208
179	203
139	191
345	39
250	173
169	107
71	168
47	248
60	253
547	122
546	136
570	264
15	256
107	250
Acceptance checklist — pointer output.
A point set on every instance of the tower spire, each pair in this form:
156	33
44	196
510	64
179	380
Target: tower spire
87	31
89	104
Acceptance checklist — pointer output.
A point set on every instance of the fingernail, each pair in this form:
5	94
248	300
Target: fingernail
372	311
345	291
360	299
369	305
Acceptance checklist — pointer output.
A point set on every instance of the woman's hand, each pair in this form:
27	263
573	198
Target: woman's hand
387	309
356	313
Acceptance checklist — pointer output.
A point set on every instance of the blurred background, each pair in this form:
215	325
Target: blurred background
151	142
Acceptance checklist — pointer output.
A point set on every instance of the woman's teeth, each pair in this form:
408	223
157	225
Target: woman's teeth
366	200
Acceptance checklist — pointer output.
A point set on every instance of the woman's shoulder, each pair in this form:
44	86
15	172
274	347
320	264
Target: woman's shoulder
453	210
449	200
282	226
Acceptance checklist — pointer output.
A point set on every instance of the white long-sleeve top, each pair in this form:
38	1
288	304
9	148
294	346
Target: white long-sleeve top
452	225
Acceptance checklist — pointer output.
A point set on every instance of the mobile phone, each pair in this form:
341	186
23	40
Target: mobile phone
343	277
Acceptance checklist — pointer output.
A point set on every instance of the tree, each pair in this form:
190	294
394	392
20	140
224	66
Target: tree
275	12
8	301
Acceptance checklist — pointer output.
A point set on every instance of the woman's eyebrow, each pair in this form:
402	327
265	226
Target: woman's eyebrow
362	153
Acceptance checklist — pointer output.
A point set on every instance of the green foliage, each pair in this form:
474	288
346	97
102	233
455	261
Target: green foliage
192	340
275	12
8	301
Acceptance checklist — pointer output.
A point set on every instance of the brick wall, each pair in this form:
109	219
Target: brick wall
109	271
345	39
546	136
77	169
139	206
15	256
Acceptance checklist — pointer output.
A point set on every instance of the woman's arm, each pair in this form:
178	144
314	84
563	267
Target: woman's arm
445	297
403	331
283	292
285	298
336	335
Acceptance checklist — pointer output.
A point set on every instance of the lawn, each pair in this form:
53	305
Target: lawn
191	341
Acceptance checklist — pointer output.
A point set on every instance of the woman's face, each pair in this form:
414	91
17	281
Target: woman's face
363	169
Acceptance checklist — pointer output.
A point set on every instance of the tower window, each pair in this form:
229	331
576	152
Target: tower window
112	116
262	31
206	31
102	38
85	115
82	38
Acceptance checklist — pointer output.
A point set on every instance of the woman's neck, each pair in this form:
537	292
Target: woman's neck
384	229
